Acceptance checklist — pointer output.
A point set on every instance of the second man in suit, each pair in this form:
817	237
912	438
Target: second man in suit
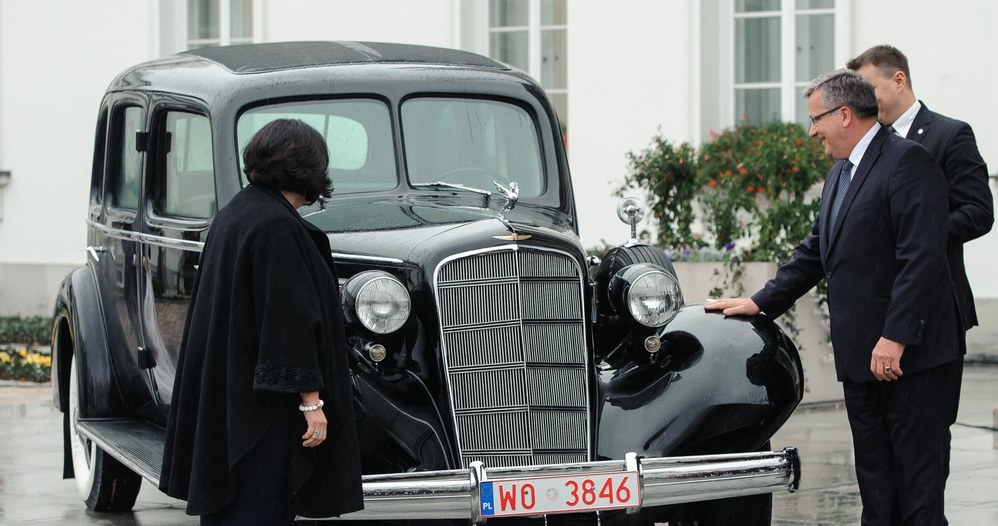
880	242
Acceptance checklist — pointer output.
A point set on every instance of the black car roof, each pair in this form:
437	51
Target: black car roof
258	58
217	71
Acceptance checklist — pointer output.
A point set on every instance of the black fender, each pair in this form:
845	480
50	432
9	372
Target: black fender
400	429
79	333
724	384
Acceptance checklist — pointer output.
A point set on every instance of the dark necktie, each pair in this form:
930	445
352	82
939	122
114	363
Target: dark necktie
840	193
891	129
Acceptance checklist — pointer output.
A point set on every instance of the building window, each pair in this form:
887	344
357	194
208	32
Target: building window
219	23
532	35
779	46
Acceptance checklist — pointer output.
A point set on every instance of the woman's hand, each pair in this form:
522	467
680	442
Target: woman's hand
317	429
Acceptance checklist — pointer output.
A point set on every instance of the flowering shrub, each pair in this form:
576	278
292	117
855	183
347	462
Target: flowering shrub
748	183
24	364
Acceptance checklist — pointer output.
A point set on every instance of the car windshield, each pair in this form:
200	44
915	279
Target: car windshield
471	142
449	142
358	133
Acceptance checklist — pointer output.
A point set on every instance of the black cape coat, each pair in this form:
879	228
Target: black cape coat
264	324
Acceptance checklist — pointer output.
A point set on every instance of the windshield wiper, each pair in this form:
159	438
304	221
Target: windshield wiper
456	186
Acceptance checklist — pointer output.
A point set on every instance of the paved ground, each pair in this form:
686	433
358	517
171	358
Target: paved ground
33	492
829	495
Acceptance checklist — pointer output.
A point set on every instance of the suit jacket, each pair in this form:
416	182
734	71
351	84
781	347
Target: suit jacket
971	208
884	260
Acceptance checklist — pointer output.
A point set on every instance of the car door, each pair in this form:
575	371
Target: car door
115	245
180	202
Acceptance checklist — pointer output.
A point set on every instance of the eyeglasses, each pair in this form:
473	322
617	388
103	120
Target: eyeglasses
816	118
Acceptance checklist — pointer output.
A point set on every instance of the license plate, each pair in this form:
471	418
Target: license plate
537	495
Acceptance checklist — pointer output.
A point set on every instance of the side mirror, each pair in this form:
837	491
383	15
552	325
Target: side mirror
630	210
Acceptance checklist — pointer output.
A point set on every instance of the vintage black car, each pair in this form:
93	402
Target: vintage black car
498	370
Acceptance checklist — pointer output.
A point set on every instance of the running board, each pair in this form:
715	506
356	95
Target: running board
136	444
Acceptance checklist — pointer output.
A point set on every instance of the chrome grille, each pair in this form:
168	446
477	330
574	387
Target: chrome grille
514	348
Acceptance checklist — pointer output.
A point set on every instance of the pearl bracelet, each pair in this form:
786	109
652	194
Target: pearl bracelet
307	408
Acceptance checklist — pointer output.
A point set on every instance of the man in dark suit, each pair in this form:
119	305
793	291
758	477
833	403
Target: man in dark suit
880	242
953	146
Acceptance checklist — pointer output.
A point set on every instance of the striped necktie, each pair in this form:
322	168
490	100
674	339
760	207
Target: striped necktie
845	176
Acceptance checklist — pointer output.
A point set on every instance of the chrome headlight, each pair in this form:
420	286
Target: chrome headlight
377	300
647	292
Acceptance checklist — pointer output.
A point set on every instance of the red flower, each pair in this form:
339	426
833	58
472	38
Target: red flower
760	189
751	189
712	183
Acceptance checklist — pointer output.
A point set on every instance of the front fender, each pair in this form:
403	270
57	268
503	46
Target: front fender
728	385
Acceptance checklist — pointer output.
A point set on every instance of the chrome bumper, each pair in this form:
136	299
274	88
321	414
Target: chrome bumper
453	494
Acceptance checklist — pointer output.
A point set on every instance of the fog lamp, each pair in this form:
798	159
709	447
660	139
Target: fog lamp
377	352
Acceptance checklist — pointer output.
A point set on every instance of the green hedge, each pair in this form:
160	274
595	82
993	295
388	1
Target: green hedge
33	330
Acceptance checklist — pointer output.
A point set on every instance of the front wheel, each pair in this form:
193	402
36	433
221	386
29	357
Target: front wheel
103	482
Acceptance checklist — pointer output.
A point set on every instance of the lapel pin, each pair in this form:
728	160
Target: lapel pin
920	131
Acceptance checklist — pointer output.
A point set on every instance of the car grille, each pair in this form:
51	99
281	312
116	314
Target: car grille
514	344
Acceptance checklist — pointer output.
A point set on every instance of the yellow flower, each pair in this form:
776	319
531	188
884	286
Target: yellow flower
23	353
5	358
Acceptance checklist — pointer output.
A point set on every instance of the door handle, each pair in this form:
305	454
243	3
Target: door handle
95	251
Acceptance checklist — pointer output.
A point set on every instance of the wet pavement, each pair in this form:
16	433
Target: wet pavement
32	490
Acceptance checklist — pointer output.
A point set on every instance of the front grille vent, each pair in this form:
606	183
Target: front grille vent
513	333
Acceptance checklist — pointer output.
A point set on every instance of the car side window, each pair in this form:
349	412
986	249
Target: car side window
97	173
185	182
126	168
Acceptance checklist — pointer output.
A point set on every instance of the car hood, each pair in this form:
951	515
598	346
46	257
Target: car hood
395	227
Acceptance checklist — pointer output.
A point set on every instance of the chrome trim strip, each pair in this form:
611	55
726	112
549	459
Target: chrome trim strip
198	246
162	241
453	494
372	259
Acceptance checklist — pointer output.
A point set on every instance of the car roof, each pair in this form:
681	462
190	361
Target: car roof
205	72
258	58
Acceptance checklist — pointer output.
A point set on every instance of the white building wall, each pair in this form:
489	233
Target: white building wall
56	60
629	77
951	51
634	71
426	22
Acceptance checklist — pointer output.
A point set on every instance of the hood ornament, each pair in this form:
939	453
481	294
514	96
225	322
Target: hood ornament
511	194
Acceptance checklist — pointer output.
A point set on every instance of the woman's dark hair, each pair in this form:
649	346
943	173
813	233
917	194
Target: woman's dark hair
288	154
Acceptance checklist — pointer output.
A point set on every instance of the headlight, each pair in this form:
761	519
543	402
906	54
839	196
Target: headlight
377	300
647	292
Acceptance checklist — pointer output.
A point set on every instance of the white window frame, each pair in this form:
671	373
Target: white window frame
790	88
534	29
224	25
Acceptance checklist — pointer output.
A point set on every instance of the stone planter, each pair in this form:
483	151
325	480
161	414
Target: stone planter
697	280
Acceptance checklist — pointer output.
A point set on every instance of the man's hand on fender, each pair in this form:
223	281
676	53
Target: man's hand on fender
732	306
885	363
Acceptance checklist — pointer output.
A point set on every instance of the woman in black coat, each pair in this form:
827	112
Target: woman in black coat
261	425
